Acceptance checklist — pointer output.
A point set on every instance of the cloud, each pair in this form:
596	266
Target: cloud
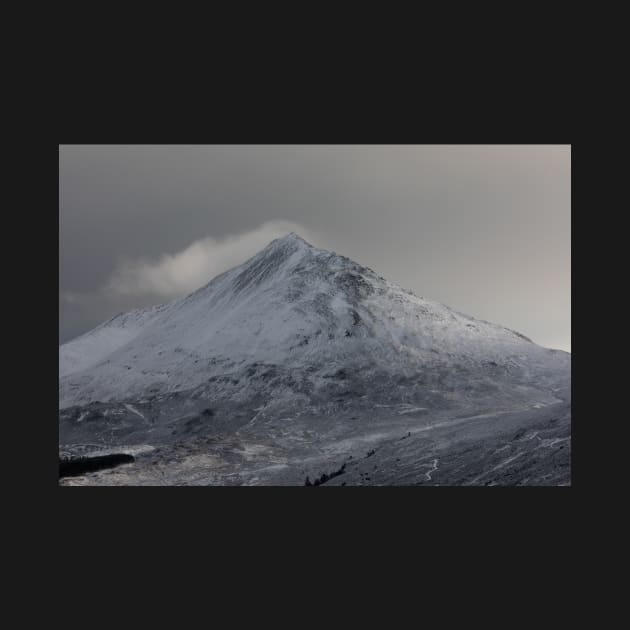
175	275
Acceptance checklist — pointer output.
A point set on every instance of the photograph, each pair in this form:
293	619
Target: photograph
315	315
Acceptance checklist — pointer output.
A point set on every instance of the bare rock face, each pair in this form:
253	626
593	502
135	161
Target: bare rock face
301	345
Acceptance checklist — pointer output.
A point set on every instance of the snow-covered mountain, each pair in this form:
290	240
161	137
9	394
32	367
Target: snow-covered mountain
296	325
303	367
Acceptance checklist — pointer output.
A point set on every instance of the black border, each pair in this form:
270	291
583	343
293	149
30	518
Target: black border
373	515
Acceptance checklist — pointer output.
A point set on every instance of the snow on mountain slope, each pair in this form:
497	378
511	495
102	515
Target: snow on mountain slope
90	348
283	324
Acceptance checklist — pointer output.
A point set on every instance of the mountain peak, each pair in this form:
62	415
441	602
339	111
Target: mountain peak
281	249
271	260
290	238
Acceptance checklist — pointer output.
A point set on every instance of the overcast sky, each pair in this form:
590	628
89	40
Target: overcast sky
484	229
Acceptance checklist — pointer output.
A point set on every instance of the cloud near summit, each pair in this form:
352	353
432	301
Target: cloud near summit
175	275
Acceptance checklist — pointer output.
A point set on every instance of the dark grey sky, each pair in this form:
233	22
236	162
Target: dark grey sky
484	229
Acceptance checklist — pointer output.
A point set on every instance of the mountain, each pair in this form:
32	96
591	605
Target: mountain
295	332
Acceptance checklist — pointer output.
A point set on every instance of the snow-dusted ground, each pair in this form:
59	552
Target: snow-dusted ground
526	447
294	333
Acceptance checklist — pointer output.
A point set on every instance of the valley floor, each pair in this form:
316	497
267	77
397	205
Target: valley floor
400	445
